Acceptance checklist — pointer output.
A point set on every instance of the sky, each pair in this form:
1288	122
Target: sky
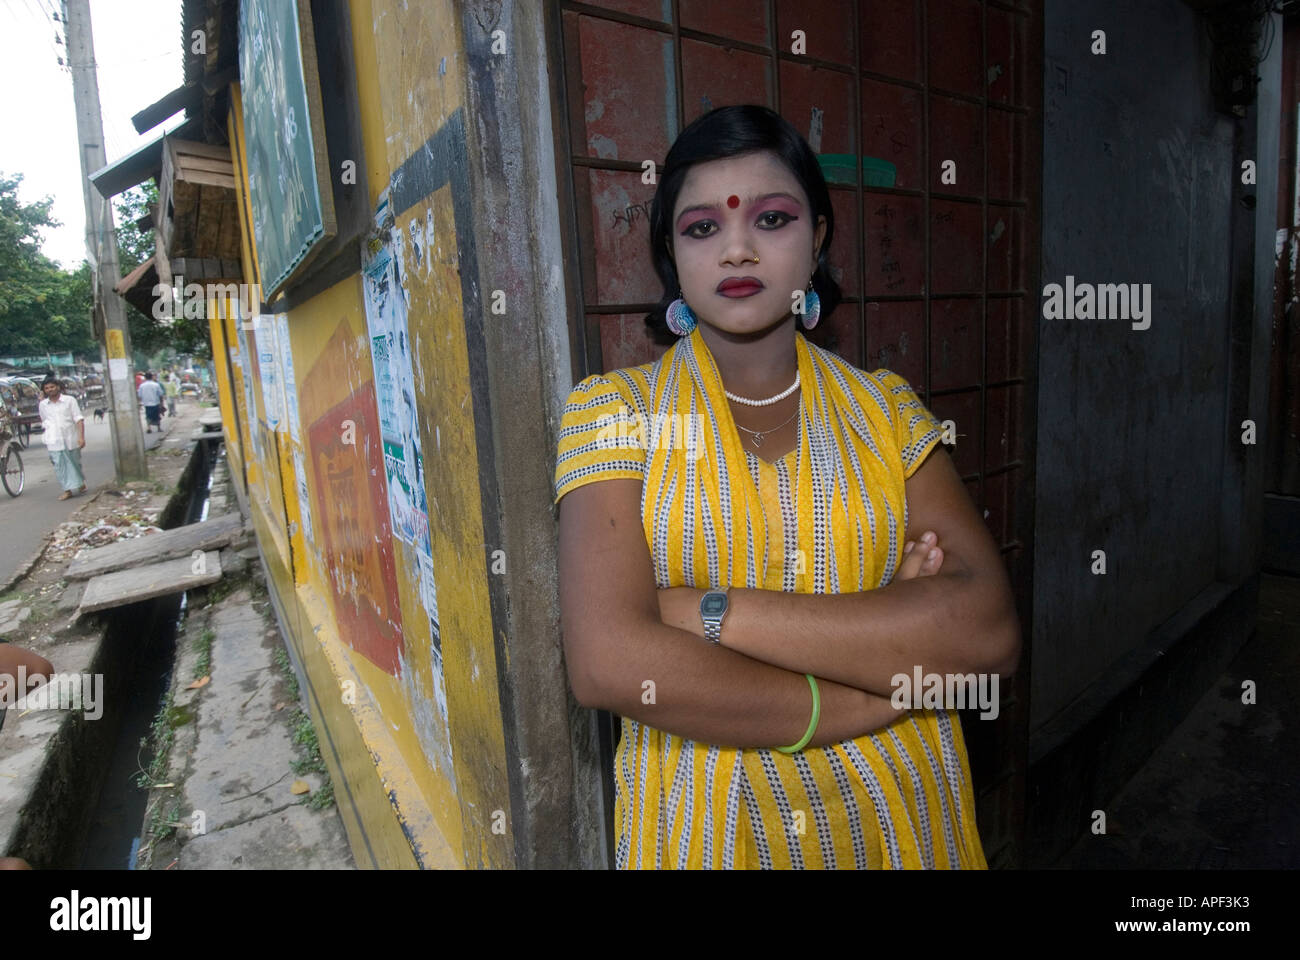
138	54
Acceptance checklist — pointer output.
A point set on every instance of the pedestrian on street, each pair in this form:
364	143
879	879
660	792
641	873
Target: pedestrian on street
173	389
65	434
151	395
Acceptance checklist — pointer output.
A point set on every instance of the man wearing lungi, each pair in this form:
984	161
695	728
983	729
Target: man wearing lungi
65	434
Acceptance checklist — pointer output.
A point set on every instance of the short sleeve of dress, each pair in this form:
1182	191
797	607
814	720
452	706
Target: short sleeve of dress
916	429
599	437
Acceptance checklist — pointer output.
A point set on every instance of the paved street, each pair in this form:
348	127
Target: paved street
25	520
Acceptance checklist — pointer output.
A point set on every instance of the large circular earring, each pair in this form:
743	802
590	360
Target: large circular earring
681	319
812	307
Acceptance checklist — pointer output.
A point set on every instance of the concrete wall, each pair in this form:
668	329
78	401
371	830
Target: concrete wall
438	689
1158	474
1137	188
413	732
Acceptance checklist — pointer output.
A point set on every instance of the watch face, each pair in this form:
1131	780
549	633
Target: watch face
713	604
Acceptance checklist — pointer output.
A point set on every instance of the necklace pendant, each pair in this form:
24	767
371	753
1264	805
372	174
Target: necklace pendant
758	439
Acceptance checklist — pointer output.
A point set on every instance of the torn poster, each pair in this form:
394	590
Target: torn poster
246	376
290	383
268	365
304	500
395	393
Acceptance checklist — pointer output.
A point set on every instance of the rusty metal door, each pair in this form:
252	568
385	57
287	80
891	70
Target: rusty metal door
937	253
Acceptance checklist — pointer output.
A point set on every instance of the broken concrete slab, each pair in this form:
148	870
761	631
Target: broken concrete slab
217	434
71	596
294	838
144	583
210	416
232	563
15	621
177	542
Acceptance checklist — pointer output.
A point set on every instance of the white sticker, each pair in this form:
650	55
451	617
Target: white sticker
815	131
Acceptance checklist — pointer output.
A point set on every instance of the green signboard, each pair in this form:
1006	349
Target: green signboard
44	360
284	138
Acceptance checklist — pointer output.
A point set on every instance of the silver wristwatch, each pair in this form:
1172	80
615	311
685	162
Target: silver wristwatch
713	607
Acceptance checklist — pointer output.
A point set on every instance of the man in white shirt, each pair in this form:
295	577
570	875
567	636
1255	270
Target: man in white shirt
65	435
151	395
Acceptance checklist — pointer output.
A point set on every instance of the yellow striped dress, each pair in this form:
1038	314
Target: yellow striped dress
828	518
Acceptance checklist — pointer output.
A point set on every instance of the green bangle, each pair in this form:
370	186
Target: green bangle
812	724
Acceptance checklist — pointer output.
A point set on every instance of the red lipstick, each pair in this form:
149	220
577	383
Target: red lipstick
740	286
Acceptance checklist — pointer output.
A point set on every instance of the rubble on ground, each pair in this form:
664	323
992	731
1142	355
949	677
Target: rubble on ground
130	518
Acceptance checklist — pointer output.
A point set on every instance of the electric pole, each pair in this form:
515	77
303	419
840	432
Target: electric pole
101	244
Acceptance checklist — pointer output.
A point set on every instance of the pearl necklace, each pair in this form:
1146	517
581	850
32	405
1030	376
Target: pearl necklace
770	400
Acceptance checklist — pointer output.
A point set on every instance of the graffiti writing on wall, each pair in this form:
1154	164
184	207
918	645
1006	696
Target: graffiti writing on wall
890	268
628	215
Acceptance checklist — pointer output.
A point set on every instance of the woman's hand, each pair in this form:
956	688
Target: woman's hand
916	561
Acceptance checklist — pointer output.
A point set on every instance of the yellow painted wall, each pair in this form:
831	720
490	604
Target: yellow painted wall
225	391
414	789
241	452
238	449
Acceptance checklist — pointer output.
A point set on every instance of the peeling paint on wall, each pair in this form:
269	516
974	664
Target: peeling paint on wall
350	502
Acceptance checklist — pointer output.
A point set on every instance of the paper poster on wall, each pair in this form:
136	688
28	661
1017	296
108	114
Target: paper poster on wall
268	365
395	395
246	369
116	349
304	500
428	592
290	385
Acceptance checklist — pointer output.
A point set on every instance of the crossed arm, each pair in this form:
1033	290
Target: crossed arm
636	651
961	620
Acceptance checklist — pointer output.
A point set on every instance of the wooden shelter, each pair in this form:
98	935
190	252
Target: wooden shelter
198	214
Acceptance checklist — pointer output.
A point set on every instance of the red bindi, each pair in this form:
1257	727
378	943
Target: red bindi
733	201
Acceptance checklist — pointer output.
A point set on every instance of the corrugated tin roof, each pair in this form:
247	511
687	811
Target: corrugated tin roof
139	165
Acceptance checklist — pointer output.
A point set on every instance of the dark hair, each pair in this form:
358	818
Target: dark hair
51	378
728	132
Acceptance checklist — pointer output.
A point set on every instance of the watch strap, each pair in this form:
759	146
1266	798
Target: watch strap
713	625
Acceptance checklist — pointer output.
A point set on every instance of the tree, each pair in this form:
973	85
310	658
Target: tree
70	307
134	246
43	308
23	278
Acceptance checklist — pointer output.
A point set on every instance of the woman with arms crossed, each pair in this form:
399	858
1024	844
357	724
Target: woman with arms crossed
739	588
